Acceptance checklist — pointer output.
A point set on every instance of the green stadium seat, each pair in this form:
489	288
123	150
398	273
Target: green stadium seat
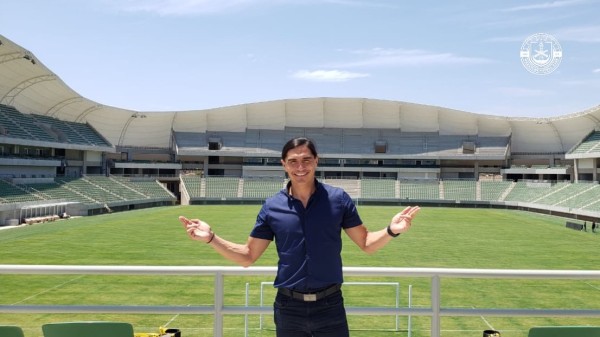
564	331
261	187
88	329
460	189
222	187
378	188
11	331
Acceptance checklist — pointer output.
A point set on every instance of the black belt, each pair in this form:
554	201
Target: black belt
310	296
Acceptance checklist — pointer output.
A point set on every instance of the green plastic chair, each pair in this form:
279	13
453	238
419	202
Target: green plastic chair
88	329
564	331
11	331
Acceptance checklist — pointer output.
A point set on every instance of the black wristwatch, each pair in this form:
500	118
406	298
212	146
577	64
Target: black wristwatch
390	233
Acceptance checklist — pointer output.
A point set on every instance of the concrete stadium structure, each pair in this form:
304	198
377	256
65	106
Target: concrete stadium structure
358	138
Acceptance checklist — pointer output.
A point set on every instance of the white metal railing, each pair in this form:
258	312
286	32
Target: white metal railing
219	309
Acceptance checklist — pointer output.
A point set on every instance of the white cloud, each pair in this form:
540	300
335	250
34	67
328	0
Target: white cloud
327	75
596	71
378	57
545	5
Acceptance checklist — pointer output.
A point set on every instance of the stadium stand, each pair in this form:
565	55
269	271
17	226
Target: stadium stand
116	187
528	191
47	129
378	189
193	185
103	192
190	139
57	191
11	193
590	144
360	140
88	190
87	187
73	132
494	190
18	125
261	187
344	141
222	187
264	139
575	196
459	189
406	143
151	189
419	189
351	186
560	191
592	205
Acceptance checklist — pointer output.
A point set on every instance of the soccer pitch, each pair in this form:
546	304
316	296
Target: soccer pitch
439	237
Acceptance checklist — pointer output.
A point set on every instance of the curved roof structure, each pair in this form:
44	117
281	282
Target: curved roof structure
28	85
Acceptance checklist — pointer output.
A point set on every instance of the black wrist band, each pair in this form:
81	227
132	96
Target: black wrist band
392	234
211	238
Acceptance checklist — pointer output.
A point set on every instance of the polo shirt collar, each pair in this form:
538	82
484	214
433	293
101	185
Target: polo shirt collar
289	184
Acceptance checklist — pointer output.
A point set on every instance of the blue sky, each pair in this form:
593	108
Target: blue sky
155	55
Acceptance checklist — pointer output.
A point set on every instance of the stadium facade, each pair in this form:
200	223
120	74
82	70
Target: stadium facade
49	132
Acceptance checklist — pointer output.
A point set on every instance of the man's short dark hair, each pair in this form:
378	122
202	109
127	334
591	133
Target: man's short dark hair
298	141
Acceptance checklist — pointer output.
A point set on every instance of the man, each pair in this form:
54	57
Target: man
305	219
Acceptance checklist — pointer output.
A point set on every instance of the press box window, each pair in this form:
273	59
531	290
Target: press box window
215	143
468	147
380	146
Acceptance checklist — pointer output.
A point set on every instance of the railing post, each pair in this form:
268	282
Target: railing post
219	303
435	306
409	324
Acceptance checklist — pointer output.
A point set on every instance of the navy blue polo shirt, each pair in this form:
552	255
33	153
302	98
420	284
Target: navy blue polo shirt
308	240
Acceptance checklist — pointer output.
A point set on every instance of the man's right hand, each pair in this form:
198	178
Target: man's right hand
196	229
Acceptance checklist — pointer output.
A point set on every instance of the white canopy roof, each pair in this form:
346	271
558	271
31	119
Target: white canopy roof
28	85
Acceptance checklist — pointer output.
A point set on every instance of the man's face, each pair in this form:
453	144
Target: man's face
300	165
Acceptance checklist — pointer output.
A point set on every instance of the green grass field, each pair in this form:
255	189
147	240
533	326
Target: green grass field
440	237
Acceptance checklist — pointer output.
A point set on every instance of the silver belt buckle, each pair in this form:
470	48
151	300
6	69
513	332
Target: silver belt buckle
309	297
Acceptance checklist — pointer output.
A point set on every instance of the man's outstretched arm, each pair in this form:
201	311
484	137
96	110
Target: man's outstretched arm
242	254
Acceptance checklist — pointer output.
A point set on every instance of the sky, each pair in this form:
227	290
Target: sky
177	55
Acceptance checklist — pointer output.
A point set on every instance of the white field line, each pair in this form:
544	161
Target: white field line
48	290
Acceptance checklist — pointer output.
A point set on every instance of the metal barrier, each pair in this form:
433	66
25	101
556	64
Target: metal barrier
219	310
